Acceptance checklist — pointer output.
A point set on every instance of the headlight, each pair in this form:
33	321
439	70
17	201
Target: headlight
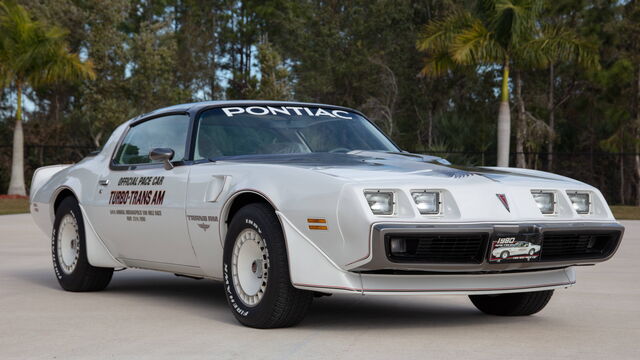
581	202
546	201
428	202
380	202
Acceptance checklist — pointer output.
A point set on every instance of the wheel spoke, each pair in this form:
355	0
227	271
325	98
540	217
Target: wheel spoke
249	266
68	243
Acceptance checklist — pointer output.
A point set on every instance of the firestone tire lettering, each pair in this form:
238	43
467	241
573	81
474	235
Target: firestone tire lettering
282	305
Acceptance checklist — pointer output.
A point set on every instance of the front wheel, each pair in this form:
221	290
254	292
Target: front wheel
514	304
69	250
256	271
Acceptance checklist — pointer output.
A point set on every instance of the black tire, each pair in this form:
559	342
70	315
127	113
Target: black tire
83	277
532	251
281	305
504	254
514	304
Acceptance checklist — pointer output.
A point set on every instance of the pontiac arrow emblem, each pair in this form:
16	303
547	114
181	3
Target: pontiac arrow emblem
204	226
503	200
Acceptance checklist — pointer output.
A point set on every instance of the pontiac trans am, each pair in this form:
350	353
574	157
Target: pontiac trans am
286	201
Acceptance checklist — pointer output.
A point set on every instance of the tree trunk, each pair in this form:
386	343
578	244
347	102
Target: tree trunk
504	120
16	184
430	127
637	156
521	134
552	116
213	65
622	202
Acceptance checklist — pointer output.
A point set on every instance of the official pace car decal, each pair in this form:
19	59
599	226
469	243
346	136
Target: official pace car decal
514	248
139	198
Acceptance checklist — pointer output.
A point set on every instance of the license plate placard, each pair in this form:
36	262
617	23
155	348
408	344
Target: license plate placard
513	248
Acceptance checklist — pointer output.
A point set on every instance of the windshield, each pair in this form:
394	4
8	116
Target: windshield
261	130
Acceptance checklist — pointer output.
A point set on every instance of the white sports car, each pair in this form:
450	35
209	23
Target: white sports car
514	249
286	201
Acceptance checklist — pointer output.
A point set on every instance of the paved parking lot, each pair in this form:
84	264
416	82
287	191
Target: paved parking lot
147	315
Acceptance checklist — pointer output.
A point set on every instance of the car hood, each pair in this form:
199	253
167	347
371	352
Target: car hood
371	165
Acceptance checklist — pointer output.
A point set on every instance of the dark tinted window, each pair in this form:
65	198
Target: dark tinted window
232	131
164	132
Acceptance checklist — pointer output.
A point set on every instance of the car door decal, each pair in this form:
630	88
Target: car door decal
137	197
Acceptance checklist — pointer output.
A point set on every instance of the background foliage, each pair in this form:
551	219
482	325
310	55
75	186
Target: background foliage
360	53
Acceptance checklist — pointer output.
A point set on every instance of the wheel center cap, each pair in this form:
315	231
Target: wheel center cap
256	268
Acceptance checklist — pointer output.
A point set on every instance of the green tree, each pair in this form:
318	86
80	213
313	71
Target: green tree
32	54
504	33
275	82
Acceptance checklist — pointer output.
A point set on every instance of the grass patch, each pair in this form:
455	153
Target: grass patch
14	206
626	212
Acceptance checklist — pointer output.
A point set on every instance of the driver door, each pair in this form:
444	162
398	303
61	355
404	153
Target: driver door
141	204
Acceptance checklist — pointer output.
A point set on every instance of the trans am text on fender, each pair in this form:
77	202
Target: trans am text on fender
286	201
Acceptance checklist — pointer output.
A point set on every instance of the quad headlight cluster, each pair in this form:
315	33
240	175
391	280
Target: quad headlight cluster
546	201
382	202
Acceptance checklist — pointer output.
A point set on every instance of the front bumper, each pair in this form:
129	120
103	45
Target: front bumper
311	269
450	284
566	254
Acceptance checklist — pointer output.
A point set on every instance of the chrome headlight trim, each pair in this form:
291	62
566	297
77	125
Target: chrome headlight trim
375	198
545	200
435	209
576	196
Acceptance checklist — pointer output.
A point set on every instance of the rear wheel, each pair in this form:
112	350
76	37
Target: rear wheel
69	251
514	304
256	271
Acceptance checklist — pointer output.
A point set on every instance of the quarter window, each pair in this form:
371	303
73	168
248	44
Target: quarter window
163	132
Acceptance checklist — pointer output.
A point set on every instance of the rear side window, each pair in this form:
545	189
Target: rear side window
163	132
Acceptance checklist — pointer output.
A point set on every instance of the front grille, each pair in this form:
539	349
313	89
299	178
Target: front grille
562	245
439	248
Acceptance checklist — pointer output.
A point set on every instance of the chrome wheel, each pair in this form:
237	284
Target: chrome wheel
250	266
68	243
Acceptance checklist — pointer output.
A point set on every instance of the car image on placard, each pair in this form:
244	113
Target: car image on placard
517	248
286	201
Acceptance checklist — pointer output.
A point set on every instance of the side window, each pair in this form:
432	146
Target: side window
163	132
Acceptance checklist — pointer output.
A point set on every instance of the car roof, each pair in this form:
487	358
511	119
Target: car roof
197	106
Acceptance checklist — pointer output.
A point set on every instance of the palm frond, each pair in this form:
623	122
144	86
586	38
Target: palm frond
438	64
559	43
436	39
476	45
514	21
35	52
438	34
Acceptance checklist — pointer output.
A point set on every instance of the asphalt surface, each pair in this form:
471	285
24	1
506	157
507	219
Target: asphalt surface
149	315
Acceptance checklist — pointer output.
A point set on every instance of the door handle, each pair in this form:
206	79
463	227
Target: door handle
103	182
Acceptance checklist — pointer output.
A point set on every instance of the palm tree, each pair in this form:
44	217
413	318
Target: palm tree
498	33
32	54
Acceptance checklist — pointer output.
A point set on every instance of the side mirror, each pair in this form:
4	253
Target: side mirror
162	154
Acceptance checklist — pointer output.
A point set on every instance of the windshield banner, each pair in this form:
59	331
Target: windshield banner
286	110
